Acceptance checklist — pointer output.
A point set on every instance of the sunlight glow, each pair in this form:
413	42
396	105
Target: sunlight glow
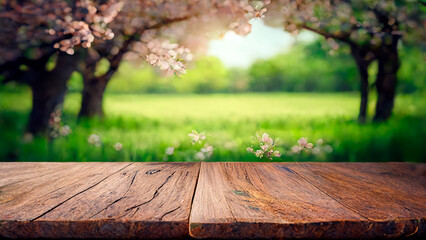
261	43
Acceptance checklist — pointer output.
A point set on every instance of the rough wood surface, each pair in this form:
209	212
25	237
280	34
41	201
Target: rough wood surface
309	200
232	200
96	200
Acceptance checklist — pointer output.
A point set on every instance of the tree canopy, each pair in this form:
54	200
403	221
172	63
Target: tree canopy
372	29
81	33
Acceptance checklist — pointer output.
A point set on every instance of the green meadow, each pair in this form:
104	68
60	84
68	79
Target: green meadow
146	124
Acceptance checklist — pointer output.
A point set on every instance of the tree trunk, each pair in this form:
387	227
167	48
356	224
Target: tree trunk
48	93
388	63
94	86
363	60
364	96
92	98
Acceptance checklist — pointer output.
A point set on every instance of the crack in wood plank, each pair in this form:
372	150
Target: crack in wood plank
152	198
282	200
82	203
161	218
66	200
54	191
133	180
105	208
119	199
344	205
136	210
195	190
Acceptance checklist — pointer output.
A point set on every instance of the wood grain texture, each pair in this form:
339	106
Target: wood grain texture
381	192
96	200
309	200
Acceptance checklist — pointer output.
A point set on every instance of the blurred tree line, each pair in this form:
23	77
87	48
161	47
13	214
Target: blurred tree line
308	67
374	31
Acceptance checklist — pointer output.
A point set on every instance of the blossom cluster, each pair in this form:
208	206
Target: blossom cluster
118	146
206	151
197	137
266	147
265	150
168	56
169	151
304	145
94	19
95	139
253	9
322	148
55	127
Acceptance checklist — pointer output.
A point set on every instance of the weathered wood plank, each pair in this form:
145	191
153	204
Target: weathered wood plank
303	200
381	192
97	200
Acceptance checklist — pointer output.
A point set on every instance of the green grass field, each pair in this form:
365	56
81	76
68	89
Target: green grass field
147	124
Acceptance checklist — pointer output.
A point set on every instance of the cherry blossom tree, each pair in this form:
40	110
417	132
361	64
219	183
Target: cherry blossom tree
35	33
163	33
372	29
76	35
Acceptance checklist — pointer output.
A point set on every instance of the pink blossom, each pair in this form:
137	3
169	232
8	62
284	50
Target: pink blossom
167	56
207	150
266	145
94	139
196	137
65	130
277	154
118	146
302	141
199	156
170	150
307	146
266	139
55	128
296	149
152	58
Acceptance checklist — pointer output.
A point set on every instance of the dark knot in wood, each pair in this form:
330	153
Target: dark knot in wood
153	171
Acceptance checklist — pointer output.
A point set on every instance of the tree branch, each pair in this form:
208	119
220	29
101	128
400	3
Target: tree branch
116	59
161	24
328	35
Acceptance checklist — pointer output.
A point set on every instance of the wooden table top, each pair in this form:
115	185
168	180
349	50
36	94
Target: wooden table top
212	200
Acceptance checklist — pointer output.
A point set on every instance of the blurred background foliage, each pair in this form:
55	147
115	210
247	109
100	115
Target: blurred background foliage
146	112
307	67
